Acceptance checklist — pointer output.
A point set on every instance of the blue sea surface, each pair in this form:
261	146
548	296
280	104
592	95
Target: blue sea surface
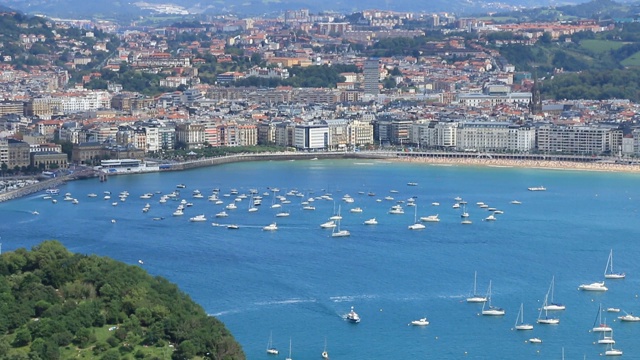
299	282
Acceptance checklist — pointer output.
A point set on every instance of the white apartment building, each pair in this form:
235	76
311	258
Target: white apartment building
311	137
578	139
476	99
360	133
494	136
4	151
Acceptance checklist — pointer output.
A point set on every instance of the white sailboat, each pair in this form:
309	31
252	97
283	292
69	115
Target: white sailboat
271	350
607	339
612	352
289	357
598	324
325	354
475	298
520	324
416	225
339	232
546	319
553	305
608	270
490	309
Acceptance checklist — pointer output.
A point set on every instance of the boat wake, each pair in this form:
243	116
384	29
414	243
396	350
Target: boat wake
361	163
285	302
348	298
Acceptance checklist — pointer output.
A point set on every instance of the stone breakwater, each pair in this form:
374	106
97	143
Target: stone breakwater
31	189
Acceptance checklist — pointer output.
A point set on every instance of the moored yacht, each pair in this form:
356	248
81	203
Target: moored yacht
420	322
629	318
596	286
198	218
371	221
430	218
328	225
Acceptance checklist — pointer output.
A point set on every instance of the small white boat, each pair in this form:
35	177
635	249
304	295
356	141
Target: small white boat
340	233
178	213
231	206
35	212
608	270
308	207
353	317
282	214
516	202
614	310
181	186
270	227
607	339
520	324
420	322
596	286
92	195
612	352
490	310
233	227
598	324
397	210
107	197
356	210
629	318
75	201
490	218
271	350
466	221
146	196
222	214
114	204
416	225
535	341
412	184
430	218
435	204
537	188
328	225
371	221
456	206
388	198
198	218
475	298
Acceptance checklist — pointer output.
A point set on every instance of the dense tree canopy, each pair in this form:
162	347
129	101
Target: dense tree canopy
56	305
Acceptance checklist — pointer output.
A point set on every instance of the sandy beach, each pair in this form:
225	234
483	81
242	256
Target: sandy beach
531	164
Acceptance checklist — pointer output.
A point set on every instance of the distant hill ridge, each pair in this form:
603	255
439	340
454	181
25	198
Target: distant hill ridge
82	8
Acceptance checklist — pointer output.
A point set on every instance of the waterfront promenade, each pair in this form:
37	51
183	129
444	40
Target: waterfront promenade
560	162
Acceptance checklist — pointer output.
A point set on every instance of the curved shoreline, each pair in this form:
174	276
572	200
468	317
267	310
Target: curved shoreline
526	164
436	159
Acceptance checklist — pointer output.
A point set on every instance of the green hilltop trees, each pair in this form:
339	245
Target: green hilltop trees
58	305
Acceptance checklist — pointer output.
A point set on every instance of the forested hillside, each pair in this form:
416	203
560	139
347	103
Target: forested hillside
59	305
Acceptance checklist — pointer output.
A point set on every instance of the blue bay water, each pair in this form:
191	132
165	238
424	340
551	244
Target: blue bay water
298	282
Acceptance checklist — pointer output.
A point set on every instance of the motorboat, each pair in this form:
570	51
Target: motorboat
198	218
535	340
596	286
340	233
396	209
35	212
233	227
435	204
490	218
456	206
430	218
356	210
466	221
629	318
75	201
612	309
146	196
181	186
231	206
537	188
308	207
371	221
282	214
353	317
52	191
388	198
412	184
420	322
328	225
92	195
516	202
222	214
416	226
178	213
270	227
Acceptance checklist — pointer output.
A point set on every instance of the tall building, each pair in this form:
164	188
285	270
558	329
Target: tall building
371	76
